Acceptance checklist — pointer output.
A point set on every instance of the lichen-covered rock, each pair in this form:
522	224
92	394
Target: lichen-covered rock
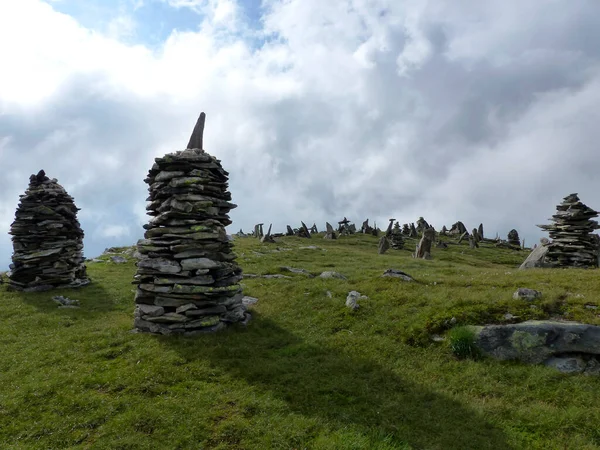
47	239
187	277
537	342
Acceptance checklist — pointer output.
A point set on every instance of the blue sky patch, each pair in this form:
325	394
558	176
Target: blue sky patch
154	20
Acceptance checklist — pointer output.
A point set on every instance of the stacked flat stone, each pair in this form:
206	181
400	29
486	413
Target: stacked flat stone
47	239
573	244
396	238
187	279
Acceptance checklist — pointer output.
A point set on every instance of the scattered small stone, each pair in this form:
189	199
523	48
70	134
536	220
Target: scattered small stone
526	294
311	247
397	274
300	271
64	301
590	306
353	298
275	275
330	274
437	338
329	294
118	259
509	316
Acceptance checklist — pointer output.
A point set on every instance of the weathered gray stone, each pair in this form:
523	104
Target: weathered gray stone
353	298
526	294
537	258
395	273
162	265
331	274
151	310
537	341
383	245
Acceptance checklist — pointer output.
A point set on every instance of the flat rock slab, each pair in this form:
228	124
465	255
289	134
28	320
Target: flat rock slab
536	259
539	341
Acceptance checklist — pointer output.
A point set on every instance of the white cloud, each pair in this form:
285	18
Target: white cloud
365	108
114	231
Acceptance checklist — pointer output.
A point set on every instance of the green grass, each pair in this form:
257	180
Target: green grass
307	373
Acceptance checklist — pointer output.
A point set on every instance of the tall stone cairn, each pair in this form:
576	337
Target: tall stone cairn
47	239
187	277
573	244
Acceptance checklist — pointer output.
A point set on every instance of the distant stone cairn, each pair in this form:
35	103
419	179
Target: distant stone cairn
47	239
187	277
573	244
396	238
513	238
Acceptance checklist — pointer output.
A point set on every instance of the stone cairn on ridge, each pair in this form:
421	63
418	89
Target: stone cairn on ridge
573	244
187	277
47	239
396	238
513	238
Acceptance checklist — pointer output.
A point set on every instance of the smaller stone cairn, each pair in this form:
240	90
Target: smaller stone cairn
188	281
345	227
396	238
313	229
258	230
423	250
458	229
480	232
573	244
303	231
330	232
366	228
513	238
47	239
375	231
267	238
475	235
444	231
413	231
289	231
422	225
406	230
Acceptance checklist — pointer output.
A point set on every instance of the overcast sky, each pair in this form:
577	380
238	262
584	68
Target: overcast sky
480	111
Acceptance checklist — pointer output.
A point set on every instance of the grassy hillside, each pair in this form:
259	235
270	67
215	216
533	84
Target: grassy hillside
307	372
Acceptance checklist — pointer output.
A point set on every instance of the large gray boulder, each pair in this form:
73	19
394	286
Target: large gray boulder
547	342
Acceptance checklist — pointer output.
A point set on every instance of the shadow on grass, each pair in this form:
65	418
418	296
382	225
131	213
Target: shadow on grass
94	300
341	390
